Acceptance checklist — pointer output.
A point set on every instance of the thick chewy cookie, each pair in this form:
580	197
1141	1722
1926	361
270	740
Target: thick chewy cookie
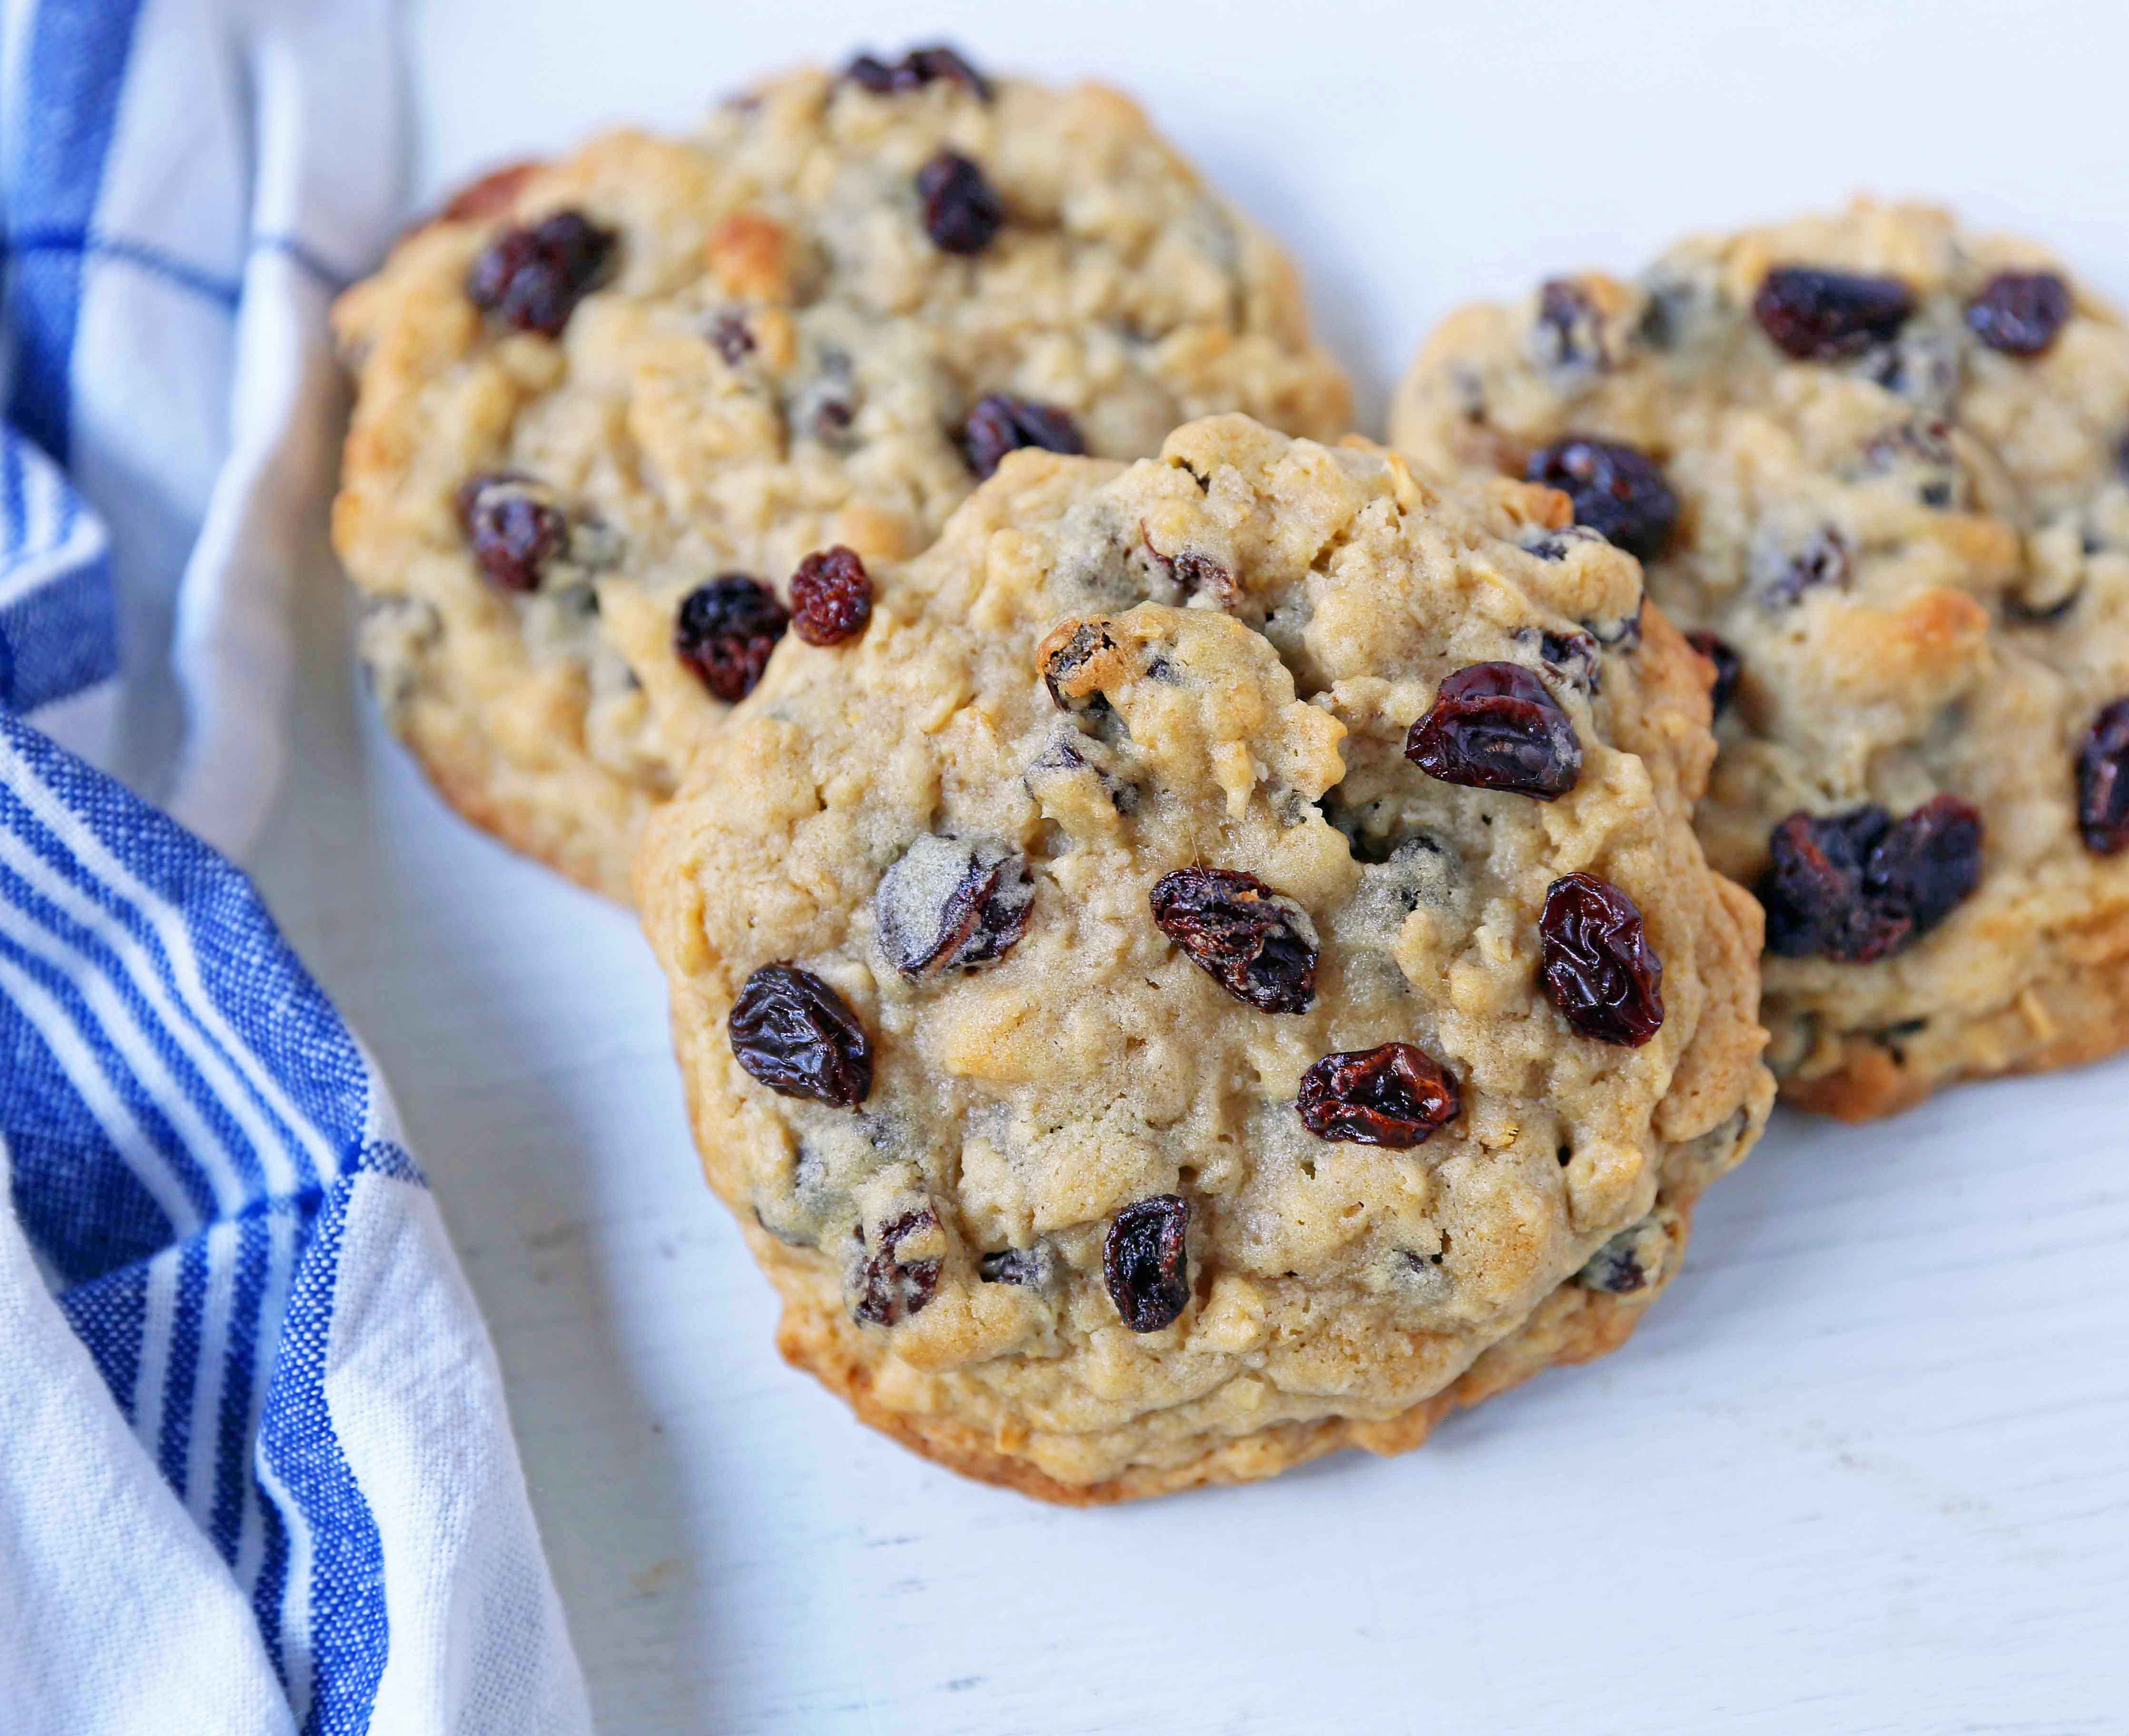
1878	465
1218	971
608	405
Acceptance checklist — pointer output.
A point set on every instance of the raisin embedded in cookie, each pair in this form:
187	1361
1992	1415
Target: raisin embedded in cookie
1881	467
612	408
1218	972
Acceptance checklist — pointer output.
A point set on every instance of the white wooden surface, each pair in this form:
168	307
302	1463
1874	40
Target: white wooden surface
1867	1468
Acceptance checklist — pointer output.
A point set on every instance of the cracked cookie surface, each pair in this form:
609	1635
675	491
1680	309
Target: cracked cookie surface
595	390
1131	1067
1877	465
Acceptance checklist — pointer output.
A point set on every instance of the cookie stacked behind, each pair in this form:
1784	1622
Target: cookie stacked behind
1878	465
609	405
1217	970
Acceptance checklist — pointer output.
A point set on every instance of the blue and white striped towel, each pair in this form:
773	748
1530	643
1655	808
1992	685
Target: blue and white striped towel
255	1470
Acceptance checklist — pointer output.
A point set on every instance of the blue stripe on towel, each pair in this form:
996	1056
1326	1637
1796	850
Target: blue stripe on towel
73	78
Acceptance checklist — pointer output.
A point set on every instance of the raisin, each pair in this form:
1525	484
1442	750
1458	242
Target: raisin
799	1037
532	279
1495	726
1394	1094
914	70
1597	965
831	597
832	419
1566	337
1147	1263
1000	424
1857	886
1929	863
1728	666
1060	758
725	631
2103	781
1617	490
1676	304
2022	614
1628	1262
1921	456
1622	633
1086	642
1030	1268
1557	544
1812	887
1257	944
949	905
1924	367
513	529
731	338
825	405
962	210
1823	316
1191	570
889	1288
1787	574
2020	313
1574	657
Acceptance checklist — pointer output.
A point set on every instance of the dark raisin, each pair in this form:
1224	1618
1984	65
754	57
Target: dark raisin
1257	944
1812	887
831	597
732	339
799	1037
512	530
1924	367
962	210
832	419
1085	642
889	1288
1394	1094
1574	657
1146	1262
1566	337
1597	965
1061	758
950	905
1928	863
1617	490
2103	781
533	279
824	404
1628	1262
1191	570
1675	305
1728	666
725	631
2042	610
1496	726
1823	316
1000	424
1784	574
1030	1268
869	72
1622	633
1856	886
2020	313
1557	544
1920	454
914	70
